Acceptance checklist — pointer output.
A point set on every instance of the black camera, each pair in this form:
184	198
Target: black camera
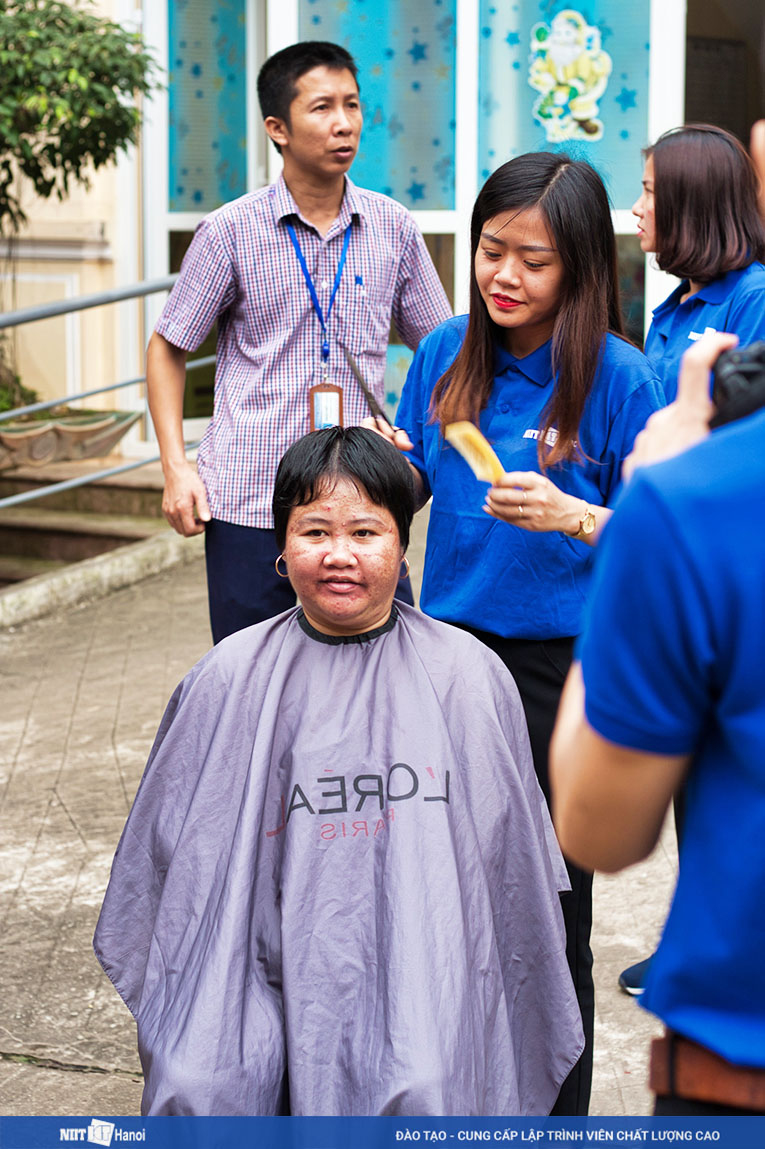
738	383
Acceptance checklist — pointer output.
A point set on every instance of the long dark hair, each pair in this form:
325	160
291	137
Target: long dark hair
706	213
571	197
315	463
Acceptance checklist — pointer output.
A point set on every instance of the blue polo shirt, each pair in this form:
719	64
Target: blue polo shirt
492	575
735	303
673	657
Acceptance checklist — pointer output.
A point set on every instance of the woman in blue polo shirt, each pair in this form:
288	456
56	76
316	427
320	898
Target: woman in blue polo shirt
698	213
540	366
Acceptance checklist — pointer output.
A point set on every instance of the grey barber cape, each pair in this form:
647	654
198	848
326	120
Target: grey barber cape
337	890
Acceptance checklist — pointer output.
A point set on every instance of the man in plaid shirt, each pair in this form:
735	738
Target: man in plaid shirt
293	273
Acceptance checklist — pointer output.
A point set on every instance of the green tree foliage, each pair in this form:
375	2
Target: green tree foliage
69	83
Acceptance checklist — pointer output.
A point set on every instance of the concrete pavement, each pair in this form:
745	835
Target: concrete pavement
82	694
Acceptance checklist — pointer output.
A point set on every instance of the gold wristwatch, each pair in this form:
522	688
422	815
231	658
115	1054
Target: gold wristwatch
587	524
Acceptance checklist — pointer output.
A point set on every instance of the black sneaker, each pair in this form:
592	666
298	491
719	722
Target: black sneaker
632	980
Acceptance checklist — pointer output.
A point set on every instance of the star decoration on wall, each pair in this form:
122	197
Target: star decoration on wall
415	191
418	52
445	28
627	98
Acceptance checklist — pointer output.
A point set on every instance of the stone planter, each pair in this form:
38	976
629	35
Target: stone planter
67	437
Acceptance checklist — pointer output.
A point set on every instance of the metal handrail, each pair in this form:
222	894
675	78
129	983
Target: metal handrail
83	480
64	307
46	404
83	302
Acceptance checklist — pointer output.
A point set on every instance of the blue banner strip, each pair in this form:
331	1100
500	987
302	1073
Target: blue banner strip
374	1132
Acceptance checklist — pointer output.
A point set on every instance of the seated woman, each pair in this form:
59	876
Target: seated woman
337	890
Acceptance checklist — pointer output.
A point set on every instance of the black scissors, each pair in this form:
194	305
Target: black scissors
374	406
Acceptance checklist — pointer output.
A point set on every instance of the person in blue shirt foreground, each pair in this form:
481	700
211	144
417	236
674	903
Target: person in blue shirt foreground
699	213
670	689
539	364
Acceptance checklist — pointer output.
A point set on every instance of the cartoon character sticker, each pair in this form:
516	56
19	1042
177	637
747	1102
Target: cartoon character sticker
570	70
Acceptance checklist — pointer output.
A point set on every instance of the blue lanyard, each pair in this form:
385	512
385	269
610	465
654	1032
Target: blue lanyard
312	289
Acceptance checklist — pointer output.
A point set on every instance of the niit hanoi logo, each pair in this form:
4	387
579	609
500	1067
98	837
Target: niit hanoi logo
101	1132
98	1133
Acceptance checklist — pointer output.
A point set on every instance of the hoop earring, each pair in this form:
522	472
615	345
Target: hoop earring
276	567
405	561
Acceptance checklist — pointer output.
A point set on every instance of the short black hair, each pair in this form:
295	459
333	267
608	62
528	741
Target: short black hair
363	457
277	79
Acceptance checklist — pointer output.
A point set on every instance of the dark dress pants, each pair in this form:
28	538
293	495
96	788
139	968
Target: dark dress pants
540	669
242	584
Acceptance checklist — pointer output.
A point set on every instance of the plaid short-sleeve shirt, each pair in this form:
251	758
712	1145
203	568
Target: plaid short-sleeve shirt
242	270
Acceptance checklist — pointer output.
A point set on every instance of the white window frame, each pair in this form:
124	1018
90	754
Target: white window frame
282	30
158	221
274	25
666	109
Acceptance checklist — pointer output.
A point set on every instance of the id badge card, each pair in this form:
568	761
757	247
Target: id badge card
325	401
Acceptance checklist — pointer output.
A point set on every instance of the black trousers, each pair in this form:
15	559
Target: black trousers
242	584
540	669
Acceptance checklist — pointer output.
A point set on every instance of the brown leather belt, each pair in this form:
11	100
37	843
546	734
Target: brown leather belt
682	1068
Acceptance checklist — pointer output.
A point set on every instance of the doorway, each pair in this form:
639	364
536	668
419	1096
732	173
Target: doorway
724	83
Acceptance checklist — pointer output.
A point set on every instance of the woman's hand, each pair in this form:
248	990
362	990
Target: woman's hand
402	442
529	500
685	422
394	435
